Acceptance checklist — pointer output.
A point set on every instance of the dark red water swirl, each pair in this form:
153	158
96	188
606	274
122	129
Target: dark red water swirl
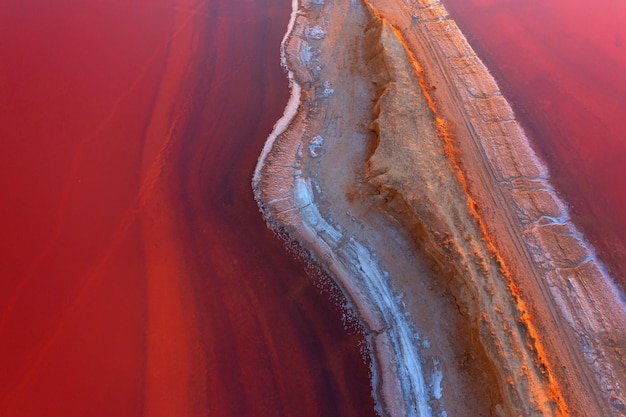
136	274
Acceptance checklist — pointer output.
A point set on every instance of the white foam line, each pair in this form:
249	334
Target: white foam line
371	282
294	99
367	272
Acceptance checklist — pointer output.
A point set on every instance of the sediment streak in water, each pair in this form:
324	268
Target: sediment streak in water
550	324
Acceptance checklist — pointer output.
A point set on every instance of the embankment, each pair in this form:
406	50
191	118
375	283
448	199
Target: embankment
400	168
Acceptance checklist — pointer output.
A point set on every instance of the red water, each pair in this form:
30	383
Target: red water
136	275
562	64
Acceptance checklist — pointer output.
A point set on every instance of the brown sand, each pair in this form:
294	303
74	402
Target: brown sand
401	168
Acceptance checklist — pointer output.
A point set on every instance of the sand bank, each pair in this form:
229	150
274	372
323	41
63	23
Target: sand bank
400	168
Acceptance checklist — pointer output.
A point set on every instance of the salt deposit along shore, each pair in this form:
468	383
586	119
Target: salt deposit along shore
400	169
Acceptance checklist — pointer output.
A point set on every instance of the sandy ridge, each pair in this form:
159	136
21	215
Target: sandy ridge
538	376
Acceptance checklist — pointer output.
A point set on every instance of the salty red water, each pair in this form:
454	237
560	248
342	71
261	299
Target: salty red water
562	63
136	275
